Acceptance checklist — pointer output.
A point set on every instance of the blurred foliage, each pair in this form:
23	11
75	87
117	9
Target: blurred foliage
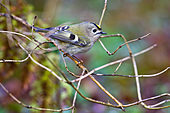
132	18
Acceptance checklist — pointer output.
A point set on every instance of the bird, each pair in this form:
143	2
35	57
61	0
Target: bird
73	38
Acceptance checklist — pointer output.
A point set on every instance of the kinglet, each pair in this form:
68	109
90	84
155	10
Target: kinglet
75	38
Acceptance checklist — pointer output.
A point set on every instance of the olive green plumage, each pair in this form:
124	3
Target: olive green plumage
75	38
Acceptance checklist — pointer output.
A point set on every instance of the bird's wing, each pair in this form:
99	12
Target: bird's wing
68	37
37	29
58	28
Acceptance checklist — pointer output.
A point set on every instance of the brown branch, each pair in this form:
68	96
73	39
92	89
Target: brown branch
114	62
93	79
31	107
22	21
8	21
132	76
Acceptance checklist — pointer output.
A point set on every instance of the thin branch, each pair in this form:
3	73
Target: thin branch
160	103
103	12
108	104
116	106
100	22
8	21
92	78
22	21
86	98
38	44
132	76
14	61
114	62
31	107
90	99
118	35
19	35
67	67
148	99
137	79
75	95
138	83
42	66
118	67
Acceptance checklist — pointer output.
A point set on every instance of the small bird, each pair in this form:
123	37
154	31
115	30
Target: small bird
75	38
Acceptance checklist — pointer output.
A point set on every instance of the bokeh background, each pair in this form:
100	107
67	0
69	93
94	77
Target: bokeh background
132	18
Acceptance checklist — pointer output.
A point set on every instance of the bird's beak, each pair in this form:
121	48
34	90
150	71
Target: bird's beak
103	32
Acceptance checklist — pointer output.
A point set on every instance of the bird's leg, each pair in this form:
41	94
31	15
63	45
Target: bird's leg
74	58
79	60
64	54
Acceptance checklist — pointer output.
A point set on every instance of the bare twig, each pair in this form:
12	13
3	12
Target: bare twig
103	12
67	67
120	35
42	66
118	67
8	21
116	106
38	44
114	62
17	19
31	107
148	99
19	35
117	35
14	61
75	95
158	104
87	98
92	78
139	90
132	76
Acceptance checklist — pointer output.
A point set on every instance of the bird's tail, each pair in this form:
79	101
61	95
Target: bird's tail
37	29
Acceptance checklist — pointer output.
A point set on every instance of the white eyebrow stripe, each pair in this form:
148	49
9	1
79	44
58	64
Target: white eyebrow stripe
76	38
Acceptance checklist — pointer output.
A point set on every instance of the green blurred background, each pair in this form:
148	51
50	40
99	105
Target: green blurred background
132	18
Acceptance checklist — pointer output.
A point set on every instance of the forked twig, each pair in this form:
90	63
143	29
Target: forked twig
134	66
117	35
114	62
92	78
120	35
67	67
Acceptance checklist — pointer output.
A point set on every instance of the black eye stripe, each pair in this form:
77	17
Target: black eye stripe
72	36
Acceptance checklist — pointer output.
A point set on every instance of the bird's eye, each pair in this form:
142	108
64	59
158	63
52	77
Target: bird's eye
94	30
72	36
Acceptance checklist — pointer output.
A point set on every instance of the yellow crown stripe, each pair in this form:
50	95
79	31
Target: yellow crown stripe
97	26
